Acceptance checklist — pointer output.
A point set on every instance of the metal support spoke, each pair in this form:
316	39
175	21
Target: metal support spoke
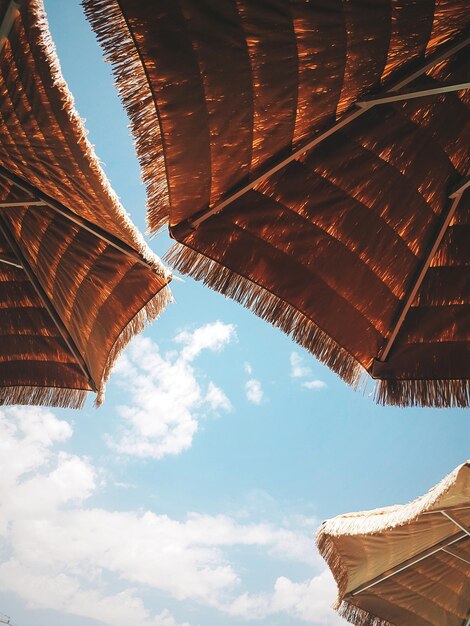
26	203
57	207
456	522
408	563
12	12
451	509
9	260
457	556
416	284
202	216
408	95
5	230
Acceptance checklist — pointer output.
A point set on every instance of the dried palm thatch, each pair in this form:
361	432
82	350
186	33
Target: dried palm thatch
277	143
77	280
405	565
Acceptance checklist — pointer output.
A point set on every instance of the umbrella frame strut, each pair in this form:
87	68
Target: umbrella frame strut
456	196
439	547
361	108
39	198
4	228
12	12
408	95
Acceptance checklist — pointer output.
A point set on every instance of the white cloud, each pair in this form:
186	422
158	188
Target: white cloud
248	369
167	398
299	370
314	384
309	600
254	391
61	553
214	336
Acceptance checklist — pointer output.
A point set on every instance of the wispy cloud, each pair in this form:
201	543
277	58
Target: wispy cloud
63	553
301	371
314	384
253	388
167	395
254	391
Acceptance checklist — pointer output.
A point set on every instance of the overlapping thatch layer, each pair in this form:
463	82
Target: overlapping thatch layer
77	280
331	220
405	565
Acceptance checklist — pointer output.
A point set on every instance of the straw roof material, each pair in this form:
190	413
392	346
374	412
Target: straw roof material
405	565
332	221
77	280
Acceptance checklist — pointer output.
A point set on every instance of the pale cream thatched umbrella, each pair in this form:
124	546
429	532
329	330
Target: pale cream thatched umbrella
405	565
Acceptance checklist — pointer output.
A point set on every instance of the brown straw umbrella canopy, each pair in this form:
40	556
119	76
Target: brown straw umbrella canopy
77	281
311	158
405	565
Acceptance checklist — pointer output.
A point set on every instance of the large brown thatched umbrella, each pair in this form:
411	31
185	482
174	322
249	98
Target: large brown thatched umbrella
405	565
76	279
311	158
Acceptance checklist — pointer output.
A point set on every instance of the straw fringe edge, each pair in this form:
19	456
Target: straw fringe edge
147	314
43	396
427	393
378	520
327	548
113	34
43	39
269	307
360	617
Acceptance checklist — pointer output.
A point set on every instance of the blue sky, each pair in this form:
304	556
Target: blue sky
192	496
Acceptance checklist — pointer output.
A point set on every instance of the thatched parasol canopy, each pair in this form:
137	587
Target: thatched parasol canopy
405	565
76	279
310	157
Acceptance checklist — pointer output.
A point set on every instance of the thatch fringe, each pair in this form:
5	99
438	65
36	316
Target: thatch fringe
360	617
43	396
379	520
110	26
269	307
41	37
327	548
428	393
147	314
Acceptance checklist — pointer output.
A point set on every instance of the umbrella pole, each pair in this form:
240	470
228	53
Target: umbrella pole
5	229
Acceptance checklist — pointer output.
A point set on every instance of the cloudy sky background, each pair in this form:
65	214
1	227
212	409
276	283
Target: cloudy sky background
192	496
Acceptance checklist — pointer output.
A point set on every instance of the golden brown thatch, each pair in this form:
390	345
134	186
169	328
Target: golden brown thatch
405	565
77	280
274	142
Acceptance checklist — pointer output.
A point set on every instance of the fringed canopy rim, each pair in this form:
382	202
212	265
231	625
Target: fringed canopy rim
360	617
44	41
268	307
147	314
58	397
379	520
109	24
425	393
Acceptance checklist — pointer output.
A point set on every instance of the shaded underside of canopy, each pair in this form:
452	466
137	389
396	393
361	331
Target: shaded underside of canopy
329	247
76	279
405	565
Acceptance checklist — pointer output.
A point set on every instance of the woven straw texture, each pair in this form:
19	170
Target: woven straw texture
435	587
76	279
327	248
